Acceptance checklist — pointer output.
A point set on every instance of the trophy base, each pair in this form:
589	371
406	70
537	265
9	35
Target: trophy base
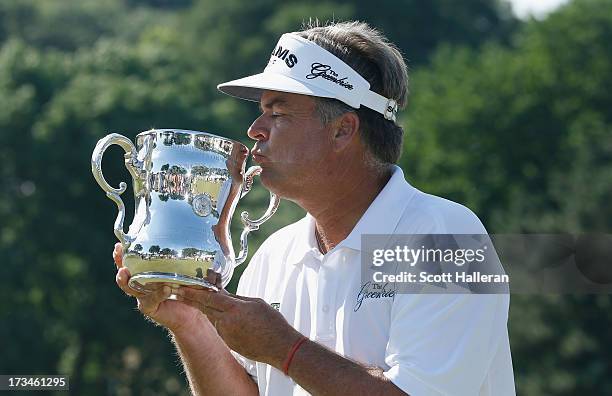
139	281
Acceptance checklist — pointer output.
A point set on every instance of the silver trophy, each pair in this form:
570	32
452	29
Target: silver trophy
186	187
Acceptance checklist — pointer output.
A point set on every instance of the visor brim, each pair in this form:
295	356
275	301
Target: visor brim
251	87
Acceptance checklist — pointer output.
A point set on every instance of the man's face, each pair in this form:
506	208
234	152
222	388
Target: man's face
293	146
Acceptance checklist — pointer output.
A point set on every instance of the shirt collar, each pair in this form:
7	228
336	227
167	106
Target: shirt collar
381	217
304	241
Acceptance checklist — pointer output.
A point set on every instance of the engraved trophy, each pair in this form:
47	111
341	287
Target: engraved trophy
186	186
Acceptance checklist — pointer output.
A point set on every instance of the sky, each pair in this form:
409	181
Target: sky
537	8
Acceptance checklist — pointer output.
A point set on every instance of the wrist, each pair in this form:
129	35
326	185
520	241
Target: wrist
289	359
189	328
278	356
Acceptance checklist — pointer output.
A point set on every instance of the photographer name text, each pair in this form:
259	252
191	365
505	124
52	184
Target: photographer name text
445	277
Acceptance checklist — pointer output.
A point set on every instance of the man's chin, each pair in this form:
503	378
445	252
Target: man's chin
274	182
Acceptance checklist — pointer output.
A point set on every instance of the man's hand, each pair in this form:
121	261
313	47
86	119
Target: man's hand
252	328
249	326
210	367
171	314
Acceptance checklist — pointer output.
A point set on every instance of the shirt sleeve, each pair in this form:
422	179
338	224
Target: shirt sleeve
248	364
443	344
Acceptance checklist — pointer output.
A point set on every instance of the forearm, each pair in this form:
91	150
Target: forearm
323	372
209	365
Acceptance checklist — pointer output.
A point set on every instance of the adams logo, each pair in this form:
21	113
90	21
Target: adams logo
284	54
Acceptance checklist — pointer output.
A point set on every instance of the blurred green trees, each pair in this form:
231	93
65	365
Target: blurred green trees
535	119
522	134
511	118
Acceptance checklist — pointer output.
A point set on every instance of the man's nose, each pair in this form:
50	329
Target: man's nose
259	129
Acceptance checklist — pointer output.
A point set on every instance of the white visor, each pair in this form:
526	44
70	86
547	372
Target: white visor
302	67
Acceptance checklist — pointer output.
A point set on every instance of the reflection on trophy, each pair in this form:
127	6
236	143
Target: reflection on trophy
186	187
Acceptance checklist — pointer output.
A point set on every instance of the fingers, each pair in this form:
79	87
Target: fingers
122	278
214	278
212	314
243	298
209	299
118	255
149	303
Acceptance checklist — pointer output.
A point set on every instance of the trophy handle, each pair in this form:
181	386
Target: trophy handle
252	225
131	163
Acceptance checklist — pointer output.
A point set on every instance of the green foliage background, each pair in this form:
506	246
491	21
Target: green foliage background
512	118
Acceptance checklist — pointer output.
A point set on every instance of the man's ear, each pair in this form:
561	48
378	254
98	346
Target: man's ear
346	129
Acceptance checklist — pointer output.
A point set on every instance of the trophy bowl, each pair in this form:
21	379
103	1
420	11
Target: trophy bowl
186	187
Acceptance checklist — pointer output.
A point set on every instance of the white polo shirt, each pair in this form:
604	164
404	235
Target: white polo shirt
427	344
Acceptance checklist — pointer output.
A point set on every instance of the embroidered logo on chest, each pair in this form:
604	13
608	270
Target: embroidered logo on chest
371	290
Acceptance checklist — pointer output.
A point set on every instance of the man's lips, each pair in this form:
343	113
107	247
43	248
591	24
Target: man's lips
257	154
259	158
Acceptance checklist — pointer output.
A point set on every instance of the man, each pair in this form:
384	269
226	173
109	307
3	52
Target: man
327	139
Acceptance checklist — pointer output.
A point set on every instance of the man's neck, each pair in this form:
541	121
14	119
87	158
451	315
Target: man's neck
338	208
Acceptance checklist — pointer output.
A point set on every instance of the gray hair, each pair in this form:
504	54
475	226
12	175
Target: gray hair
370	54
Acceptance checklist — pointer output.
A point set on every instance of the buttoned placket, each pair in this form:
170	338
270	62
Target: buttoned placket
325	324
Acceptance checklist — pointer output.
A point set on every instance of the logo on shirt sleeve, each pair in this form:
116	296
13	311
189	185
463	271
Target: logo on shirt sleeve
275	306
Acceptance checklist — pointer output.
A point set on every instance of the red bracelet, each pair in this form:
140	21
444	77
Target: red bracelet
292	352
